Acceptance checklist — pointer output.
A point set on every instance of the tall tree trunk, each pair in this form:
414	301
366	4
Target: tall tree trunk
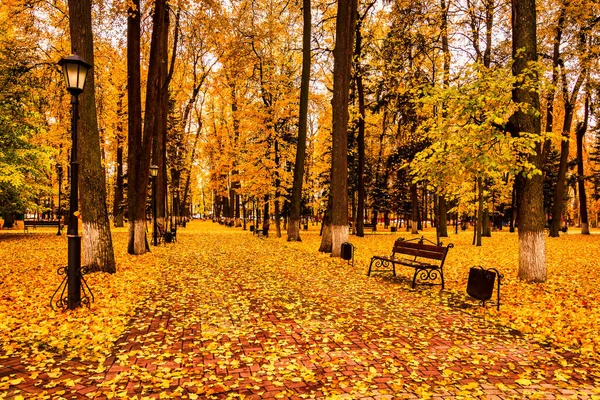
342	63
443	217
479	213
277	185
414	216
580	133
294	224
530	206
159	129
139	146
326	229
559	193
98	254
119	188
552	88
266	215
442	228
485	222
186	188
359	223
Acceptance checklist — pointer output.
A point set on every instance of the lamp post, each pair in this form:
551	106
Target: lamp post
59	173
176	206
154	174
75	71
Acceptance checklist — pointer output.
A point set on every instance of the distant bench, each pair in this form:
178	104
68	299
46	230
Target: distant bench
42	223
416	255
367	225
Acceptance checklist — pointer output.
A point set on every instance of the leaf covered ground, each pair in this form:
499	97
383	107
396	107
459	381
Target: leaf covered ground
223	314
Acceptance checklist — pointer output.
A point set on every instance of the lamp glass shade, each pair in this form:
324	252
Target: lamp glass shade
75	71
153	170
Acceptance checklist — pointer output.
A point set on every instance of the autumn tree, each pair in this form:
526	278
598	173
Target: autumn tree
294	223
342	62
526	122
139	145
24	162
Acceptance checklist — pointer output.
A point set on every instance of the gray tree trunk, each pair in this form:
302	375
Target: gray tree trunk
294	223
532	246
342	63
98	252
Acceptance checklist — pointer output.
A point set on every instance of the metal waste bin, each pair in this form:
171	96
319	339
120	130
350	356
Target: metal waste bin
348	252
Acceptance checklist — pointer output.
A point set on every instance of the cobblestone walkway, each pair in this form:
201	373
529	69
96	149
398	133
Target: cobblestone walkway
237	316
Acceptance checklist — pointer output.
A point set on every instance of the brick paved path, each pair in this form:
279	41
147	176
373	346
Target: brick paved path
234	318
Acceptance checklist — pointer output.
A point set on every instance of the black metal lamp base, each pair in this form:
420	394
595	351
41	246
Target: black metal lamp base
62	301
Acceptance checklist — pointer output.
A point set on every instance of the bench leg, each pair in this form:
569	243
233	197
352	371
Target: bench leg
415	278
430	274
382	263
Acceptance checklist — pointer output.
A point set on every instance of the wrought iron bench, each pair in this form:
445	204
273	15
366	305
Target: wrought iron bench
414	253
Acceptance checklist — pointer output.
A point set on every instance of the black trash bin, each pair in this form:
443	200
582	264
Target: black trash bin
348	252
481	284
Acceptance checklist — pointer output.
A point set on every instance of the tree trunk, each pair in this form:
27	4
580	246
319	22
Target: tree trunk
326	229
559	194
359	223
294	223
119	189
277	185
266	216
485	223
342	63
98	254
159	129
139	148
479	213
443	217
552	88
580	133
532	246
414	217
442	205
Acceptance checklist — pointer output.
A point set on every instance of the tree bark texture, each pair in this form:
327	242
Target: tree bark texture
414	215
98	254
161	110
442	227
479	213
360	230
342	63
443	217
559	194
119	184
295	205
532	246
580	134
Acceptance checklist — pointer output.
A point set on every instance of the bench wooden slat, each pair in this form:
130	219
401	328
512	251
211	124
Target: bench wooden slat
424	246
436	255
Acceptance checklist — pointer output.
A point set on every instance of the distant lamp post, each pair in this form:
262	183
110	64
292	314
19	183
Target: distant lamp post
59	173
176	206
154	174
75	71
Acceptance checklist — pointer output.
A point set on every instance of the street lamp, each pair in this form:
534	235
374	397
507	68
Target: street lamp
75	71
59	173
176	206
154	174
